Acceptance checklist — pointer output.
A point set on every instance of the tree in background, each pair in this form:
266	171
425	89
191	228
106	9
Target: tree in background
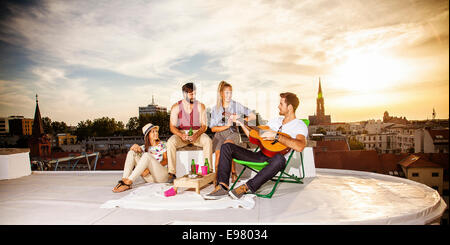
84	130
133	126
106	126
162	119
59	127
54	127
47	123
355	144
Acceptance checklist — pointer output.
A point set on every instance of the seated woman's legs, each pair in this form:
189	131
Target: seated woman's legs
158	173
130	162
141	166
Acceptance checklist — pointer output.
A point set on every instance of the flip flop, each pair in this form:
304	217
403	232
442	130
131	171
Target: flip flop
121	186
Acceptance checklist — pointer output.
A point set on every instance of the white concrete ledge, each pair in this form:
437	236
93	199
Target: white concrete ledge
14	163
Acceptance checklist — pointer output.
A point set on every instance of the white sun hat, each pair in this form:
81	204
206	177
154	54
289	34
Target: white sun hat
147	128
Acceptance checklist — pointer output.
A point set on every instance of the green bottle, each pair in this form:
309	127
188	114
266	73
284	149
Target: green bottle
193	169
207	165
190	133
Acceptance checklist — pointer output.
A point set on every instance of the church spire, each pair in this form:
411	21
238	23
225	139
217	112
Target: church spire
153	100
320	104
319	95
38	126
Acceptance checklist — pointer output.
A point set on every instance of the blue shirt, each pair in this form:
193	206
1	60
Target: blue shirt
233	108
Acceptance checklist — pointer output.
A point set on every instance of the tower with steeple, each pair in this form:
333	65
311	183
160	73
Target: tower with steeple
39	143
320	110
320	117
151	109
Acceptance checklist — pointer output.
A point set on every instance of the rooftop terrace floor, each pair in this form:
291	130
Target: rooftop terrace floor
332	197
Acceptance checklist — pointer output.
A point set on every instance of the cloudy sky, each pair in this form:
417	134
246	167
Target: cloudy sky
88	59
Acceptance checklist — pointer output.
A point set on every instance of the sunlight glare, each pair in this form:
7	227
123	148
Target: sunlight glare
364	72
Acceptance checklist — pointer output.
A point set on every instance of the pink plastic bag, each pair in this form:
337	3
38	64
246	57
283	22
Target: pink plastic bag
170	192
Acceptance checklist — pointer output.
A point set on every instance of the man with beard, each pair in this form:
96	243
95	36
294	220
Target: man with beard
187	115
294	137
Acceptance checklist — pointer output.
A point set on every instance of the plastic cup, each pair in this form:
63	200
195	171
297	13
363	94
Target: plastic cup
204	170
170	192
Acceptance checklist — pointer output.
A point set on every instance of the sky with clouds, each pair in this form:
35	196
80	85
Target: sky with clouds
89	59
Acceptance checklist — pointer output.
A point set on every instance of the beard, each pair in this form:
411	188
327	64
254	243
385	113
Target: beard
191	101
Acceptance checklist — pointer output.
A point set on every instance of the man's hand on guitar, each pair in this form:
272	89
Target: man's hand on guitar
268	135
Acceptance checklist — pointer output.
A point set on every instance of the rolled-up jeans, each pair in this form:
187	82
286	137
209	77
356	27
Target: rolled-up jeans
136	163
228	151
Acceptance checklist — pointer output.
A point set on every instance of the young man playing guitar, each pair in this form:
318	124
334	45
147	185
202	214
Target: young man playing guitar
294	136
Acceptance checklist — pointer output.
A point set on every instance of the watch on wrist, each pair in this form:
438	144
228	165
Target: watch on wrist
277	136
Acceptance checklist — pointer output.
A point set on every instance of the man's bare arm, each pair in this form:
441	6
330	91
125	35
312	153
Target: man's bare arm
298	143
203	122
174	121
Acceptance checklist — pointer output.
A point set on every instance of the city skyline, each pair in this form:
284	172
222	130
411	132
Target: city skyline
100	59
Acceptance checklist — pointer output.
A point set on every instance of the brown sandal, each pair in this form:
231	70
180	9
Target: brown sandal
121	186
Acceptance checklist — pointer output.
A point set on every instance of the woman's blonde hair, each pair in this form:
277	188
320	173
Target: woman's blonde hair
222	86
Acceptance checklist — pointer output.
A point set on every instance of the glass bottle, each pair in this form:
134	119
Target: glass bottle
193	168
207	165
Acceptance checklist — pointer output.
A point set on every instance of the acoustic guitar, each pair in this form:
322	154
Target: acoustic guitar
268	147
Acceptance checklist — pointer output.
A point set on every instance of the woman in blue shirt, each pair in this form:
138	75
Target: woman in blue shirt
223	121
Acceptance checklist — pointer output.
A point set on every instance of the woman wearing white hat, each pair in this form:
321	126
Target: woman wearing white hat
148	161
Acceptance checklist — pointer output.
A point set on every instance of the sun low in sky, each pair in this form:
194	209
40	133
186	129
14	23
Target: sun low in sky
89	59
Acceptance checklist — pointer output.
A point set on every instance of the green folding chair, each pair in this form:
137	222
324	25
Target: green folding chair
282	176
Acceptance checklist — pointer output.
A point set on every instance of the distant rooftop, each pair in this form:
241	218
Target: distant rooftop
439	134
413	161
